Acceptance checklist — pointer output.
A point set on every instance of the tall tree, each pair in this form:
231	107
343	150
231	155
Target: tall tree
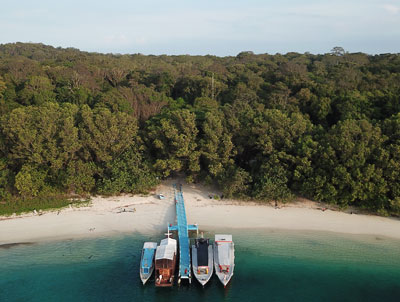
172	139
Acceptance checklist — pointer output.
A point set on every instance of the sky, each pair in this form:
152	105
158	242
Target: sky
200	27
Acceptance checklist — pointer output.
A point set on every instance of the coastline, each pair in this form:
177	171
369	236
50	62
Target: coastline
148	214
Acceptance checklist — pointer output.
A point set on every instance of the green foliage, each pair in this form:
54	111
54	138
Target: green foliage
105	135
128	173
272	182
77	96
395	206
216	145
41	136
235	182
260	126
37	91
391	128
191	87
280	153
317	107
2	87
6	178
115	101
47	201
172	138
29	181
351	161
204	103
79	177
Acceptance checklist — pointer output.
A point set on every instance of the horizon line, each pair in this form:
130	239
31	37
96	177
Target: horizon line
188	54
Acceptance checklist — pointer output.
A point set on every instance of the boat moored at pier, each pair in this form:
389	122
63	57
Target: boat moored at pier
165	262
147	261
224	258
202	260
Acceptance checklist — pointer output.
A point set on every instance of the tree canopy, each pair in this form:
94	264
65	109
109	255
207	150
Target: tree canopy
266	127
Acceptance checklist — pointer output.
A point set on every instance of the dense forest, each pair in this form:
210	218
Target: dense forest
265	127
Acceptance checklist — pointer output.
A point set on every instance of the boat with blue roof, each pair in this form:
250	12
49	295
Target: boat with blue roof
147	261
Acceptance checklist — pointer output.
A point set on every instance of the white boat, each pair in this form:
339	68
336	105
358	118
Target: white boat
147	261
224	258
202	260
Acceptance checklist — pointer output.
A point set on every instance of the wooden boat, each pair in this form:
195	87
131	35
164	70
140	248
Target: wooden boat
224	258
147	261
202	260
165	262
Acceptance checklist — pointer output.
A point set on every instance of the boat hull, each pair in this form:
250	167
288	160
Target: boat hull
147	261
165	272
165	262
203	278
224	275
146	277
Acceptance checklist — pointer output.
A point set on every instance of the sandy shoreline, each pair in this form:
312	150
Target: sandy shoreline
148	214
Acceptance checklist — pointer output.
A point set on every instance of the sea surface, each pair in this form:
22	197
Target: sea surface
271	265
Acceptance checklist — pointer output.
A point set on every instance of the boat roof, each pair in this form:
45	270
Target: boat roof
150	245
221	238
166	252
168	241
202	251
147	258
224	254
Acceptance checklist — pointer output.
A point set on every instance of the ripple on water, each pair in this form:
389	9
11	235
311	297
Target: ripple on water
271	265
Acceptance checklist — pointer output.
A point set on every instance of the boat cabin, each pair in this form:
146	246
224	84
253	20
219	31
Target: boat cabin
224	243
165	262
202	255
147	256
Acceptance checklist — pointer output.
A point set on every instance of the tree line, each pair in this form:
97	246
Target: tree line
265	127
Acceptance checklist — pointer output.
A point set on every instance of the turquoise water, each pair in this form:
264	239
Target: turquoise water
270	266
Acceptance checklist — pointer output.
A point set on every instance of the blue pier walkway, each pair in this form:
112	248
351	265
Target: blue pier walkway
183	234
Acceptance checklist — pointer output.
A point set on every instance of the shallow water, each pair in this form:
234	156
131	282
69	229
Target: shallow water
270	266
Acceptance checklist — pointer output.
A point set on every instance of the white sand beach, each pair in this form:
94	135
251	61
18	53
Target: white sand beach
145	214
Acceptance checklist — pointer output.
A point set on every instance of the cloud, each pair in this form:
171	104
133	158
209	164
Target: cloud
119	39
392	9
33	13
